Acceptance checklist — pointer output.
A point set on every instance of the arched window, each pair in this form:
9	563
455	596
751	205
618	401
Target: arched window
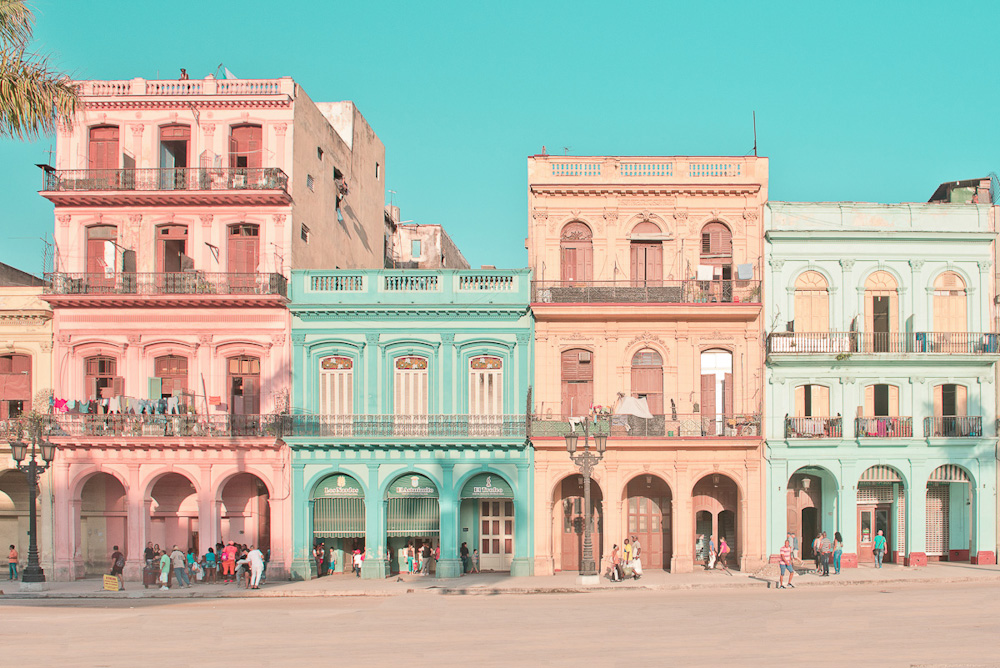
336	386
949	303
881	313
882	400
576	253
172	370
647	379
717	400
100	377
717	249
411	381
244	385
577	373
485	385
646	255
102	151
245	147
812	303
812	401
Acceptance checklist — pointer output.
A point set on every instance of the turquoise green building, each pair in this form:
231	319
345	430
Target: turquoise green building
880	377
410	393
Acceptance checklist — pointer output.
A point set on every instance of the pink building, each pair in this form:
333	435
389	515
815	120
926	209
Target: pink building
181	207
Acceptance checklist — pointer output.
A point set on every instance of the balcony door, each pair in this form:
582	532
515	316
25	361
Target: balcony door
881	312
244	385
576	254
577	382
646	255
175	141
950	407
716	391
245	147
243	254
812	303
102	151
410	384
172	372
647	379
486	395
102	257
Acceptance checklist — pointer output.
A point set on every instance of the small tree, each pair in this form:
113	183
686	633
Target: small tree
33	96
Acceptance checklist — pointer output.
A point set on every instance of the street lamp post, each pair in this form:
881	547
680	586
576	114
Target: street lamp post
33	577
586	461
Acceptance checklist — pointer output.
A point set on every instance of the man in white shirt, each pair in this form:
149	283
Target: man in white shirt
256	559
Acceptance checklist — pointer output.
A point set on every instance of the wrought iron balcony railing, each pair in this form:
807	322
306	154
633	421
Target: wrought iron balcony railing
646	292
130	425
953	426
883	427
741	425
166	179
407	426
814	427
961	343
181	283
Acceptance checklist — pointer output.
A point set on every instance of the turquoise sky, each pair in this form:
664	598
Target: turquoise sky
877	101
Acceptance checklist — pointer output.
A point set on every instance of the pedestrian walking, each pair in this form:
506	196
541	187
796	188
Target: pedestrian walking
256	559
795	547
425	560
636	559
724	553
615	574
785	565
179	562
710	563
817	555
879	549
475	560
627	552
356	562
825	550
464	554
117	566
164	571
319	554
229	562
12	558
411	556
838	551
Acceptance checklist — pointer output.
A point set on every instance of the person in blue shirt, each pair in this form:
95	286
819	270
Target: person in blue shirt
879	549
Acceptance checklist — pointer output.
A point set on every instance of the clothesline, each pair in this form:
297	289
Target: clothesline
118	405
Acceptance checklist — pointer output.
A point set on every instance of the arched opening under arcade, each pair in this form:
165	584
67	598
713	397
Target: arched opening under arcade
715	501
568	523
881	507
14	512
950	515
245	512
103	522
338	505
487	519
173	513
647	517
812	507
413	518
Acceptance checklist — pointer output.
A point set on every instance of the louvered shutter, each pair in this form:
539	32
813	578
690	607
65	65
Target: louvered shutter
821	401
727	393
708	395
869	401
961	400
800	401
893	401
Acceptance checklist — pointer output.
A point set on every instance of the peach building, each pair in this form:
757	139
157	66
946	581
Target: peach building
181	208
648	309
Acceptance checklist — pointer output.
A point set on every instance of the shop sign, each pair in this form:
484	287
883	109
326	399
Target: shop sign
487	486
412	487
339	487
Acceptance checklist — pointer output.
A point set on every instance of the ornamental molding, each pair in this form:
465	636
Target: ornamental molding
278	218
371	337
205	339
278	339
522	338
645	337
340	313
135	218
281	128
206	219
651	191
64	219
208	128
24	319
916	265
137	129
776	264
749	215
539	215
298	338
847	264
611	216
448	338
984	265
180	105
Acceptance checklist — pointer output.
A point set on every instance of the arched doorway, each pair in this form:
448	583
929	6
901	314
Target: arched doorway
950	315
338	504
576	254
173	513
950	515
245	515
812	303
14	512
881	313
715	501
646	255
103	522
648	518
881	507
488	510
569	520
811	506
413	515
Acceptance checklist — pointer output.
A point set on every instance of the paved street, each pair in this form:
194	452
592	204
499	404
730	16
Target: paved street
891	625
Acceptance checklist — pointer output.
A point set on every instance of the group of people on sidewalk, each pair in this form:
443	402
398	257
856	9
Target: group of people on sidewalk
245	565
626	563
470	563
713	556
326	561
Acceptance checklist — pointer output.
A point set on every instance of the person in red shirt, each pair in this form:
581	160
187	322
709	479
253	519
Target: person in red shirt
785	565
229	563
12	557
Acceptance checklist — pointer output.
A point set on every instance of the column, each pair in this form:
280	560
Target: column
135	376
848	475
914	546
209	510
520	566
920	315
371	373
981	320
302	562
62	523
542	518
451	382
777	506
846	270
375	566
611	496
449	566
135	560
683	518
984	500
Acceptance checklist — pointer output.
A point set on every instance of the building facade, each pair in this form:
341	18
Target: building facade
25	385
180	209
880	378
646	293
409	418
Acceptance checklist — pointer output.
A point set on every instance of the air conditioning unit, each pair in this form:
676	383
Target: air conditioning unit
585	357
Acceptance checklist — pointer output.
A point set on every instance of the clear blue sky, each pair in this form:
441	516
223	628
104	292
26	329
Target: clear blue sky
876	101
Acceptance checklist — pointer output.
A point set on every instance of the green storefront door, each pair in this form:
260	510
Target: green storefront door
339	518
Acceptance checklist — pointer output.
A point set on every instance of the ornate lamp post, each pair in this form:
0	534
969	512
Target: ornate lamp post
33	576
586	461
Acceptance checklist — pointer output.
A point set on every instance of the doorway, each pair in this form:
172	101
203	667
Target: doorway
570	506
174	141
810	529
880	324
496	536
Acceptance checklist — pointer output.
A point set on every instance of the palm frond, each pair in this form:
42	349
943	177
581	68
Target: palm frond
15	23
33	96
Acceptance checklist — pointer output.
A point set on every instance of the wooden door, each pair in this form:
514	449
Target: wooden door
577	382
243	256
103	153
708	405
647	263
496	535
573	523
648	510
244	383
647	379
102	257
245	147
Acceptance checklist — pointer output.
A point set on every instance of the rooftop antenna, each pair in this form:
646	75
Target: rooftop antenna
566	150
755	134
391	194
50	152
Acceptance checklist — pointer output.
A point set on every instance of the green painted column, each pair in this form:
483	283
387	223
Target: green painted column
520	566
449	566
371	372
375	566
448	399
302	563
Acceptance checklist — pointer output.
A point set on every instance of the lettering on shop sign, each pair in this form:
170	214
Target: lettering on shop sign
488	489
110	583
341	491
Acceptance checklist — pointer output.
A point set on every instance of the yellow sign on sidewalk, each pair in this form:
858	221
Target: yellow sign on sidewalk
111	583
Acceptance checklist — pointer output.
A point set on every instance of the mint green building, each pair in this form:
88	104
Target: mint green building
410	395
880	377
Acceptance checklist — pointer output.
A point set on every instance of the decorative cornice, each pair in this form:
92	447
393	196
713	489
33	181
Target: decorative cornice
339	313
182	104
625	190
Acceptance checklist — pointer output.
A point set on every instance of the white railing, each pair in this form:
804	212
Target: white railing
179	87
576	169
486	282
350	283
249	87
702	169
418	283
647	169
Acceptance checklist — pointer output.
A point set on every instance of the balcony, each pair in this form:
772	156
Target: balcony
406	426
845	343
814	427
744	425
953	426
730	174
176	289
646	292
194	186
883	427
156	426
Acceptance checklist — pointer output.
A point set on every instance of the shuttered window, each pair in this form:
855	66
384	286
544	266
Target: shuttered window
812	401
336	386
576	253
339	518
938	506
245	146
172	370
485	385
716	244
103	153
647	379
411	380
577	381
812	303
949	303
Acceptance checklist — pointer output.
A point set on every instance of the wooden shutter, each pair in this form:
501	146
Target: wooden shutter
245	141
820	401
568	264
708	395
869	400
938	400
961	400
800	400
635	252
893	401
244	249
103	149
727	393
118	386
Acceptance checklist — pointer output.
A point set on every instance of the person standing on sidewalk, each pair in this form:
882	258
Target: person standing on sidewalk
356	562
256	559
229	563
724	553
879	549
475	560
12	558
785	565
179	562
117	566
627	552
710	563
817	559
825	550
164	571
425	559
148	555
838	550
464	553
